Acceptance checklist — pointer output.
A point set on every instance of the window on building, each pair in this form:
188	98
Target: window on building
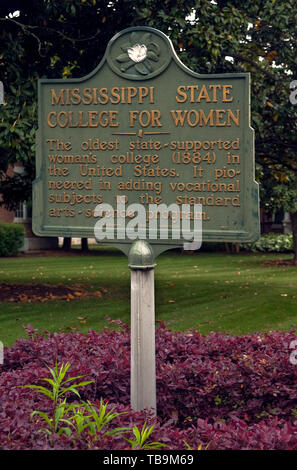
21	212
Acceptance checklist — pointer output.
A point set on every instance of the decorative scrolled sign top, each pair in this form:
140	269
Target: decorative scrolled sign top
139	54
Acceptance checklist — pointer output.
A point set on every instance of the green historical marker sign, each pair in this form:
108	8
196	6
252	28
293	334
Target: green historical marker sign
144	126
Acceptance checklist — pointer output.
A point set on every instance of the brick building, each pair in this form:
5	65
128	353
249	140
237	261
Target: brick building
23	215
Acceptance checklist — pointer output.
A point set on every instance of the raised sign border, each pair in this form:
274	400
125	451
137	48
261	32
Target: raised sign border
251	216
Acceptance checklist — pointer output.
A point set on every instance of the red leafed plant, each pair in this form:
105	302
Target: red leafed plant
214	391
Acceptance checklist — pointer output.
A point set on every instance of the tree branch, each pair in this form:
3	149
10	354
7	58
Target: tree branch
251	62
27	29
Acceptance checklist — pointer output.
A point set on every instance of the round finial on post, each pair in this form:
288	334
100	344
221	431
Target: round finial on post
141	255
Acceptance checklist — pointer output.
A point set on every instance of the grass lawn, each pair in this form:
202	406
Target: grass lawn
233	293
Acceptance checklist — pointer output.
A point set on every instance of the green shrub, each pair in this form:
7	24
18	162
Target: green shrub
11	238
271	242
76	418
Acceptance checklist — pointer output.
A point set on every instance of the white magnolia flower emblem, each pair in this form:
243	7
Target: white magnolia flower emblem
137	53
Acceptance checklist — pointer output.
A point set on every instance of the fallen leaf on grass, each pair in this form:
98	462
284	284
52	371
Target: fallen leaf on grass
97	293
78	294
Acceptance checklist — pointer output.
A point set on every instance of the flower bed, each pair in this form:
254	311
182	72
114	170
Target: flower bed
213	390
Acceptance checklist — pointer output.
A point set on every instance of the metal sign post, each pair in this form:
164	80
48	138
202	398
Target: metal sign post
143	368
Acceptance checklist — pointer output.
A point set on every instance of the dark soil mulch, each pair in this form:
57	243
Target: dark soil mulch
280	262
42	292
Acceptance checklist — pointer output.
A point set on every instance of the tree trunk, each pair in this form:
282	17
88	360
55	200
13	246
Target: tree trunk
84	244
293	217
66	243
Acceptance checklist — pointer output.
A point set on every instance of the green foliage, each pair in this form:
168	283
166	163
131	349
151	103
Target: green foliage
11	238
83	416
141	437
58	418
97	420
59	387
271	242
16	189
80	417
59	384
200	447
65	418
